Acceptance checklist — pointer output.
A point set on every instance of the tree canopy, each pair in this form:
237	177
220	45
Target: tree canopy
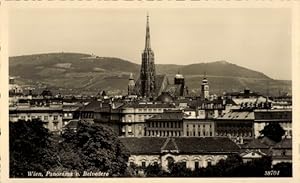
273	131
30	148
93	147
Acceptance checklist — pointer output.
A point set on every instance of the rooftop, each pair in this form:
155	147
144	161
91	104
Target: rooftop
183	145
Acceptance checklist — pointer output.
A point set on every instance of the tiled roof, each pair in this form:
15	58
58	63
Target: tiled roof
260	143
237	115
256	144
161	81
284	144
92	106
72	124
205	145
98	106
267	141
185	145
168	115
148	105
251	100
143	145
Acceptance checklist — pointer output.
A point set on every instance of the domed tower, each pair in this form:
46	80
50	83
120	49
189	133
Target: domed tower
204	88
131	85
179	80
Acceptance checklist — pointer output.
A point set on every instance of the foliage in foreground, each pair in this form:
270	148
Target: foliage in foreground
92	148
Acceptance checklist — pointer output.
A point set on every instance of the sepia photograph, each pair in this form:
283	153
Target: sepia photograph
150	92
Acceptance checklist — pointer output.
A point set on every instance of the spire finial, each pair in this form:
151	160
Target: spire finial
147	43
147	17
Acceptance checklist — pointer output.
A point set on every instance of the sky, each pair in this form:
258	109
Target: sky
258	39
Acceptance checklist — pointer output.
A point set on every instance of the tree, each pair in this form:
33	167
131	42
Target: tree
154	170
273	131
31	148
93	148
179	169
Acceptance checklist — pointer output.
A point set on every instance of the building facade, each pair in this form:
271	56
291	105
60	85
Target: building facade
134	115
193	152
50	112
266	116
167	124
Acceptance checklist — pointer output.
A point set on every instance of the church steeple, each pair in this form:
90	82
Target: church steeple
148	74
147	41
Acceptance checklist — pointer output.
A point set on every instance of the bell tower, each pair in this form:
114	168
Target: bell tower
204	88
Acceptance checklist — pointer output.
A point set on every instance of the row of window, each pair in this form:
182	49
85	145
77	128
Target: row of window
183	163
204	130
150	110
165	125
158	133
87	115
44	118
234	133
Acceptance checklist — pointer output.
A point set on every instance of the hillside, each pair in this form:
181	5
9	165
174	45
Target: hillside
83	73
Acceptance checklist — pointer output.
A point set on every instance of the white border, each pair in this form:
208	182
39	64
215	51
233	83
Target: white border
292	4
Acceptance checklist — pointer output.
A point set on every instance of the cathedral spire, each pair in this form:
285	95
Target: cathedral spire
147	42
147	74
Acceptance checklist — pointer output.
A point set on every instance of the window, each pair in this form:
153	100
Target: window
23	117
55	117
209	163
196	164
45	118
143	164
129	129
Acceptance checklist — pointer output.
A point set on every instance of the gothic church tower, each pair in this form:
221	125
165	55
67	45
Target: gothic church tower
147	74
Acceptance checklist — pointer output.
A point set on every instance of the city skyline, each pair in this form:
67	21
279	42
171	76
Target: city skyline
192	37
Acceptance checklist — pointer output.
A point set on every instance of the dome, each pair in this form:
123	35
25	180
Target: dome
165	97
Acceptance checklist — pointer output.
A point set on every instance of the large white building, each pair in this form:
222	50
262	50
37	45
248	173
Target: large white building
194	152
